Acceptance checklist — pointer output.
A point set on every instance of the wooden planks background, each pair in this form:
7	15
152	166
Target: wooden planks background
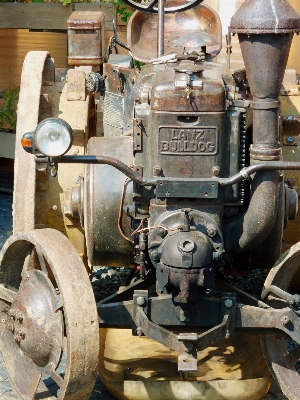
15	41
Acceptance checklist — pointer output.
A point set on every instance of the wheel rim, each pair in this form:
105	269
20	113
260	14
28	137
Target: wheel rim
47	308
152	6
281	361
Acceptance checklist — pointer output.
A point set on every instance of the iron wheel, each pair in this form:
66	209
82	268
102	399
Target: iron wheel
47	308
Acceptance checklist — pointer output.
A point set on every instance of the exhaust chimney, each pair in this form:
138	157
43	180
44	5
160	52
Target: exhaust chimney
265	29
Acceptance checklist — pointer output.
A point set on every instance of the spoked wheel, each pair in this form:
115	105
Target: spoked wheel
47	311
281	356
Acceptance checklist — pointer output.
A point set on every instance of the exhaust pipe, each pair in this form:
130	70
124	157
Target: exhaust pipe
265	29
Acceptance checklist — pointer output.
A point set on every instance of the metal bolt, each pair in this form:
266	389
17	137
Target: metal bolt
290	139
12	312
157	170
285	320
154	255
216	171
161	232
139	332
141	301
228	303
211	231
186	245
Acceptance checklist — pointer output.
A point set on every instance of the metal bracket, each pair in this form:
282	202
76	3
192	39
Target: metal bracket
187	355
137	134
140	301
136	188
186	344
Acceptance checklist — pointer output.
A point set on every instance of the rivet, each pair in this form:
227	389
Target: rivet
228	303
139	332
211	231
141	301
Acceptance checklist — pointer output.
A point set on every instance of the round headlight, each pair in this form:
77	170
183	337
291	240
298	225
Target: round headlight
53	137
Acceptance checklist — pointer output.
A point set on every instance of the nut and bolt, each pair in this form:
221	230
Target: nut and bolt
285	320
157	170
141	301
216	171
186	245
211	230
139	332
161	232
228	303
154	255
290	140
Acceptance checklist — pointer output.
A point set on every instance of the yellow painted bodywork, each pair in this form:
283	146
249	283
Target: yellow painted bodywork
49	212
142	369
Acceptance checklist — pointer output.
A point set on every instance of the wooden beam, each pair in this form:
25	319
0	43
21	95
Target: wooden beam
48	16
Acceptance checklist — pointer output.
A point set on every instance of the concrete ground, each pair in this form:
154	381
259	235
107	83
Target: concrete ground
100	392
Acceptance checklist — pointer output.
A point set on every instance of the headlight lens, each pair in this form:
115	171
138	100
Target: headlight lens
53	137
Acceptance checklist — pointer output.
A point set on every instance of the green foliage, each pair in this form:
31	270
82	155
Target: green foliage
8	111
121	9
65	2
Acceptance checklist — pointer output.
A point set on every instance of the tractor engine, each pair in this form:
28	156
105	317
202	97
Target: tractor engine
184	124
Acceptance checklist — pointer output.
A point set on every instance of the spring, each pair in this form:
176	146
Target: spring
242	155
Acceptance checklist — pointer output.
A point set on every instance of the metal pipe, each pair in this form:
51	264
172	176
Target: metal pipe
244	174
119	165
161	23
251	228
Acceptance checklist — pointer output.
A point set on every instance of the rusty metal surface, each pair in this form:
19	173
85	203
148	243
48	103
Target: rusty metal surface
252	228
38	197
280	361
28	114
86	38
47	317
104	185
265	16
76	85
202	20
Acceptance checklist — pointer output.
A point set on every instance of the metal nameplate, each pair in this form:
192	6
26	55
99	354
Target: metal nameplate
191	141
191	188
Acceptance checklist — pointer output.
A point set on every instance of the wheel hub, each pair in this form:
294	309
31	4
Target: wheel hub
34	322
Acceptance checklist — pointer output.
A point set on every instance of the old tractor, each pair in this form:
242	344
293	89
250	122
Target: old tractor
184	181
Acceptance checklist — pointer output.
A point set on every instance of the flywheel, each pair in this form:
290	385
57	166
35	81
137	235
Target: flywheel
281	354
48	312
